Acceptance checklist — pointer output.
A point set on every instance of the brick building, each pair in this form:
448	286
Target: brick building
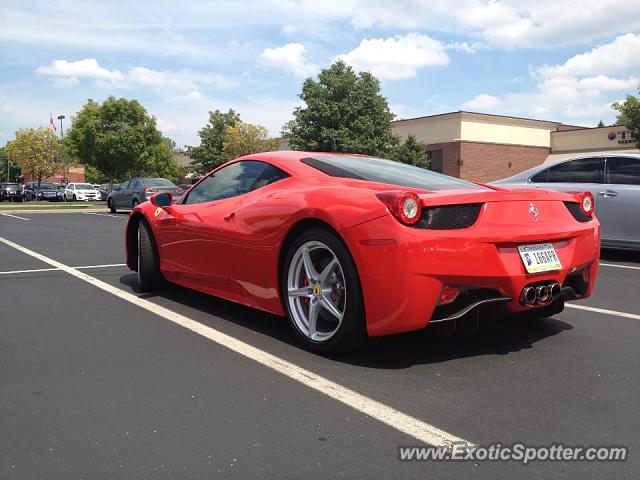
482	147
75	174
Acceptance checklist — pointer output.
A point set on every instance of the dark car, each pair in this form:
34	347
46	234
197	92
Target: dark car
137	190
11	192
47	191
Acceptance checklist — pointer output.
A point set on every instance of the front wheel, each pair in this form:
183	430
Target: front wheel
322	293
149	276
111	205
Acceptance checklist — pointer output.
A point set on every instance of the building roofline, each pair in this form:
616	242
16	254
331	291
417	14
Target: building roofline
462	112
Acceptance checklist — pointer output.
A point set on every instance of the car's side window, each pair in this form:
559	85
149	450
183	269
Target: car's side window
582	170
235	179
623	170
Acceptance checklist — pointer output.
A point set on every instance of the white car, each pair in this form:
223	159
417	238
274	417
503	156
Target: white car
81	191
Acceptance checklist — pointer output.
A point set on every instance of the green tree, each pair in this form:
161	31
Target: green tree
245	138
600	124
116	137
8	169
158	160
36	151
629	115
412	152
209	154
343	112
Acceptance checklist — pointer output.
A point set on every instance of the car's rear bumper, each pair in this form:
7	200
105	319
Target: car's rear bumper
403	270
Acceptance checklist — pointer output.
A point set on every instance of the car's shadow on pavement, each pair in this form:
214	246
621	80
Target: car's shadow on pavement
394	352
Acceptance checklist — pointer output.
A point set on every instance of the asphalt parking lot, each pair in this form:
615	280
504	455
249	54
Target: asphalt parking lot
95	385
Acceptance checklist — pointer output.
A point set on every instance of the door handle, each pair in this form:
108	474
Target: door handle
229	216
608	193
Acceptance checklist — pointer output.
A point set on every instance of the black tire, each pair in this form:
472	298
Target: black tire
149	276
351	334
135	203
74	197
111	205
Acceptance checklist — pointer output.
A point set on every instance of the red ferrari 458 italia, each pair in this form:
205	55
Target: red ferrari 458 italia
350	247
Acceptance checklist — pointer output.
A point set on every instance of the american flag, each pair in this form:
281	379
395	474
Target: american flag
52	125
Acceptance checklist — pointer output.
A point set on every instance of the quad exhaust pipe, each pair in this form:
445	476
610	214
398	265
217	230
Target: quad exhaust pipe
539	294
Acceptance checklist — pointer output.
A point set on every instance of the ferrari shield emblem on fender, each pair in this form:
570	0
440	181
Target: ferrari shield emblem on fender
533	211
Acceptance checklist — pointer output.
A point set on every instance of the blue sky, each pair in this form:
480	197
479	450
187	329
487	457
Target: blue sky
565	61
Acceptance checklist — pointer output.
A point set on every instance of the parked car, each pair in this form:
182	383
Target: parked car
47	191
80	191
350	246
102	191
11	192
612	178
185	186
137	190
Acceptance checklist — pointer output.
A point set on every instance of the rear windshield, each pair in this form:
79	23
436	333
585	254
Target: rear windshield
157	182
84	186
386	171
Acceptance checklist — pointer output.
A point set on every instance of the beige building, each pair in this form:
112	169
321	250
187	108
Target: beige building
482	147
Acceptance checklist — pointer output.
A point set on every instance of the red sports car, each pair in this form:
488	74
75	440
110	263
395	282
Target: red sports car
349	246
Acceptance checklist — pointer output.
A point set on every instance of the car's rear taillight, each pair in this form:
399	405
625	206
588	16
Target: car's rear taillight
405	206
587	203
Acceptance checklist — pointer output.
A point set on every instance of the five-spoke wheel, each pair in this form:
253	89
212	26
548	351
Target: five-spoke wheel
321	291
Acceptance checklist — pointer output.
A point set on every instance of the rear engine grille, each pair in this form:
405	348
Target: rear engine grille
576	211
449	217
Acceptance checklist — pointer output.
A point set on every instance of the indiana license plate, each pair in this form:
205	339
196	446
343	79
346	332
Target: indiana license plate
540	257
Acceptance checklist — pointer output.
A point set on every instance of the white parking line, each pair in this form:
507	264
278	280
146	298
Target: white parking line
603	311
83	267
400	421
104	215
14	216
618	266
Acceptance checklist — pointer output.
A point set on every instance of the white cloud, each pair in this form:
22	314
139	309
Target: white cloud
87	68
573	91
66	73
396	57
505	24
290	58
482	103
617	57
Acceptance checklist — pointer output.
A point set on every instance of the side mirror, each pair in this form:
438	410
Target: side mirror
162	200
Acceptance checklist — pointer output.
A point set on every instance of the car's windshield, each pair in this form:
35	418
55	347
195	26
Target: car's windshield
386	171
157	182
84	186
48	186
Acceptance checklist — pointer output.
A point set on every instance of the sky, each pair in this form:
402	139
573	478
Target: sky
553	60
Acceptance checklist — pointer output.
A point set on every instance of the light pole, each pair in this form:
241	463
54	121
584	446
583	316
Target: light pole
61	117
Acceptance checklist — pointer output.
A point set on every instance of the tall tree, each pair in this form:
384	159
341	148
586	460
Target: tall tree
343	112
8	169
245	138
158	160
115	137
600	124
412	152
629	115
37	151
209	153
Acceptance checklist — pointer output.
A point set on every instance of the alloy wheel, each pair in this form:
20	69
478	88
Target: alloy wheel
316	291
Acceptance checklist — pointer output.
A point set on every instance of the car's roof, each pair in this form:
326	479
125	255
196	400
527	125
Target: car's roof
526	174
290	159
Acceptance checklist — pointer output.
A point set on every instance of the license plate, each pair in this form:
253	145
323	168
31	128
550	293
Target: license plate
540	257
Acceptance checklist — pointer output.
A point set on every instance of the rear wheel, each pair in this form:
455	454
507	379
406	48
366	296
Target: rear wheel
74	197
322	294
135	203
149	276
111	205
